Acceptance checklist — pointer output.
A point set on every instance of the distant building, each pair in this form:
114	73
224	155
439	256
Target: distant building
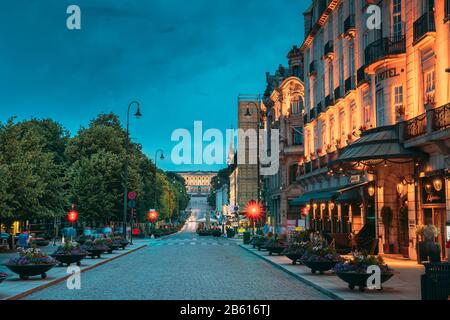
222	198
198	183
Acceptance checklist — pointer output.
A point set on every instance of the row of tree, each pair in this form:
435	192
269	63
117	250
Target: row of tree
43	170
217	182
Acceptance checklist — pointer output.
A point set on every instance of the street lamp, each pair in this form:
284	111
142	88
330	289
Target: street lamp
138	115
156	172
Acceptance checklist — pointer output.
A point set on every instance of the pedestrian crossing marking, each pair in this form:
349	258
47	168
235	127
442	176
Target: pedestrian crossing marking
201	243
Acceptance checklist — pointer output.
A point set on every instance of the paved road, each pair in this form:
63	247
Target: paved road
186	266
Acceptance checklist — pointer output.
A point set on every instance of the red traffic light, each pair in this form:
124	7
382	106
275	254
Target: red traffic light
72	216
253	210
152	216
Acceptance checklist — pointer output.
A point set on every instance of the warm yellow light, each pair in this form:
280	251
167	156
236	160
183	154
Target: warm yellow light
437	183
371	191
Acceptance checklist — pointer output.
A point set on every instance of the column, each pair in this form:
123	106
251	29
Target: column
412	216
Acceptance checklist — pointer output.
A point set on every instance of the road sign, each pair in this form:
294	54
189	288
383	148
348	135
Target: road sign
132	195
132	204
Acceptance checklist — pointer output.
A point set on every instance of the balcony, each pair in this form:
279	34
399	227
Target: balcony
305	118
313	68
350	26
320	108
329	101
350	85
329	50
313	114
362	77
384	49
432	122
338	95
424	27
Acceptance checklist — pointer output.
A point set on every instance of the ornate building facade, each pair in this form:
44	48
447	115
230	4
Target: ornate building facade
198	183
377	121
284	110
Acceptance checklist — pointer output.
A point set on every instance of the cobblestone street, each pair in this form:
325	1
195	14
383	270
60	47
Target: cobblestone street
186	266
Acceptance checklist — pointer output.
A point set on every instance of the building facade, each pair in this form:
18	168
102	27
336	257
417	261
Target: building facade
377	136
284	110
198	183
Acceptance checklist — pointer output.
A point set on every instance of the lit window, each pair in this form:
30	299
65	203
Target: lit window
354	116
397	19
342	126
398	100
332	135
430	84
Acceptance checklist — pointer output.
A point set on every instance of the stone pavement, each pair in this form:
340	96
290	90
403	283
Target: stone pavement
186	267
405	285
14	288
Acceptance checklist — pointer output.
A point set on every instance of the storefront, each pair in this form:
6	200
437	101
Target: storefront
433	206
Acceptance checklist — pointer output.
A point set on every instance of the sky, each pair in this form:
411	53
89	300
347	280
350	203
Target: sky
184	61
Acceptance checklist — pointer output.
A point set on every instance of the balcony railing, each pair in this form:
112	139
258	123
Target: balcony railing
305	118
313	68
329	101
320	108
350	84
329	49
350	25
423	25
429	122
308	167
382	48
447	10
338	93
362	76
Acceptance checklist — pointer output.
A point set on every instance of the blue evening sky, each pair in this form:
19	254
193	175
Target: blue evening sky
183	60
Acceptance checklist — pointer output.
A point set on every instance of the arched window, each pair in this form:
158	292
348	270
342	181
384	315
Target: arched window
297	105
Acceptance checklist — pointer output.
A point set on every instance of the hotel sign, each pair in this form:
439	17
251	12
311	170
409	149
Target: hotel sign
387	74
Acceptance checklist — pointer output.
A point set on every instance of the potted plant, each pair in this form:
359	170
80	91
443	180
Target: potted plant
275	245
231	233
386	217
82	239
216	233
318	256
354	270
3	276
259	242
121	242
31	262
69	253
297	246
448	250
111	245
427	249
95	248
247	237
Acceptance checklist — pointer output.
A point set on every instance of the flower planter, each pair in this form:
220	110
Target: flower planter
3	278
112	247
320	266
123	244
68	259
95	253
41	242
27	271
360	279
296	258
275	249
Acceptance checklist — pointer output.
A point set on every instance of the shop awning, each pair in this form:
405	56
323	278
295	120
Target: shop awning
351	196
315	196
377	144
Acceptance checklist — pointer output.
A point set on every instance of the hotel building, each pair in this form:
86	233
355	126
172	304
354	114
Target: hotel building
377	121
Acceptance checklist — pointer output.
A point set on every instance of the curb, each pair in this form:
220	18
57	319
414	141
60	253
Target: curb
327	292
57	281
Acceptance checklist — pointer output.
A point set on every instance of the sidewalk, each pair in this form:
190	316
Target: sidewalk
405	285
13	288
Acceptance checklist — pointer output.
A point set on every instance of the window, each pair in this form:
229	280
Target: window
397	19
293	173
380	108
430	84
398	100
351	8
330	79
354	116
343	132
341	19
297	136
341	71
367	108
324	137
297	105
351	56
332	128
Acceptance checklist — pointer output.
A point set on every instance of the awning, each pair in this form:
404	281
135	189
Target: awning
378	144
324	195
353	195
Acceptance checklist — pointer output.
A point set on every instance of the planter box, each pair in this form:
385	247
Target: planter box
2	279
320	266
95	253
360	279
69	259
27	271
277	250
295	258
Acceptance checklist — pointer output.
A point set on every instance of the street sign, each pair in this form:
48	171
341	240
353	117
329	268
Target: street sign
132	204
132	195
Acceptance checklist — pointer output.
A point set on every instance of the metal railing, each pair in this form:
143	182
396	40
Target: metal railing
416	127
441	118
329	48
338	93
362	76
313	67
350	84
349	24
384	47
423	25
329	101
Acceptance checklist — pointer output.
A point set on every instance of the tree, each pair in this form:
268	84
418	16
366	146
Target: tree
221	179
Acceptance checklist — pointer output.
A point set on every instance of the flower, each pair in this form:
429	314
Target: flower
3	275
431	232
69	249
31	256
360	262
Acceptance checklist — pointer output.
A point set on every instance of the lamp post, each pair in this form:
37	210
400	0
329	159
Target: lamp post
138	115
156	172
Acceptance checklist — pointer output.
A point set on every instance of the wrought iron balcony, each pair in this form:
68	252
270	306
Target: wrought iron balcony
432	121
320	108
447	10
329	49
383	48
329	101
313	68
338	93
350	84
362	76
424	25
350	26
305	118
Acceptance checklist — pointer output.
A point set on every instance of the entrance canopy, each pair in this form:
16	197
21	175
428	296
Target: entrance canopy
378	145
